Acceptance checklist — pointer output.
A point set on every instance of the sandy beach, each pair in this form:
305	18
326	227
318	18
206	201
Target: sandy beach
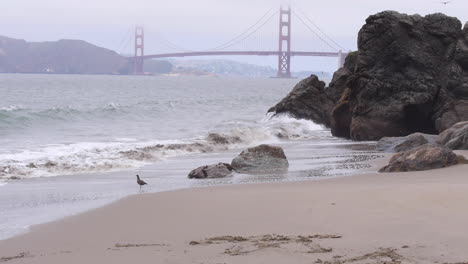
417	217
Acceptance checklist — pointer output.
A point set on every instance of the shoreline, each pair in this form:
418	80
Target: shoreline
29	202
417	217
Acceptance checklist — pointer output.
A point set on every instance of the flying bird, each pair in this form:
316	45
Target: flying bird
445	2
140	182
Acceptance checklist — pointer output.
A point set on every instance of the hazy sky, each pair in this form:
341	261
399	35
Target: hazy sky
203	24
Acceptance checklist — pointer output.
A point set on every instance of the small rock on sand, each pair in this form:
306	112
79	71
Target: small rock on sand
426	157
219	170
261	159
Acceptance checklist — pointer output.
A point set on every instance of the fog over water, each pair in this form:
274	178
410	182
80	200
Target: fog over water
190	24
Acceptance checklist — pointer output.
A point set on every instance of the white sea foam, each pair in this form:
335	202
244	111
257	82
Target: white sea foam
124	153
12	108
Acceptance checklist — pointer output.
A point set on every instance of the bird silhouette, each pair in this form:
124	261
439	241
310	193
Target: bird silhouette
445	2
140	182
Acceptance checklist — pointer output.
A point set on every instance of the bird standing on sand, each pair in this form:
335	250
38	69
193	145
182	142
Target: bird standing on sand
140	182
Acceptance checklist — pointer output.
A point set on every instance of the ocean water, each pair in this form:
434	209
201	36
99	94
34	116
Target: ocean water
72	143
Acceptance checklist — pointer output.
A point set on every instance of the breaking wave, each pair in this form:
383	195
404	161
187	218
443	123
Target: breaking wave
125	153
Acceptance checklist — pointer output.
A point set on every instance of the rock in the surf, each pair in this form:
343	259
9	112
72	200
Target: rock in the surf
425	157
261	159
398	144
219	170
456	137
307	100
410	75
311	100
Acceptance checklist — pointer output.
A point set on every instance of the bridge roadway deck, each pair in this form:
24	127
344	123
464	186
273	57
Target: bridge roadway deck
241	53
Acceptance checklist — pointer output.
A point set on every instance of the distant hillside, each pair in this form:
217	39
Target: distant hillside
66	57
63	56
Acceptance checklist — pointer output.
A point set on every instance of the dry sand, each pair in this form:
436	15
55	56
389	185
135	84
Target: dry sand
418	217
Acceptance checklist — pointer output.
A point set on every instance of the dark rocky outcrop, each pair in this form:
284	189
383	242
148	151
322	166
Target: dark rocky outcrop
307	100
406	77
219	170
425	157
456	137
410	74
398	144
261	159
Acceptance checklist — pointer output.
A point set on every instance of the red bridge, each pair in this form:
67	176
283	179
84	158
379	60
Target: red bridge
283	53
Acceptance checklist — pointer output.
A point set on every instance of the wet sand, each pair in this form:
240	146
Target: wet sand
28	202
417	217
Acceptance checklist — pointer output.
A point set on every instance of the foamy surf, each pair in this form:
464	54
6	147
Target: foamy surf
11	108
126	153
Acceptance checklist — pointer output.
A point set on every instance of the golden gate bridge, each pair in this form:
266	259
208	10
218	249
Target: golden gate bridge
283	52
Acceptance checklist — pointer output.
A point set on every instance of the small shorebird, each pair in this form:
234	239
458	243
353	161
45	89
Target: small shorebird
140	182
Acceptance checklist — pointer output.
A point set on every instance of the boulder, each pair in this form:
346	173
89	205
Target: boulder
261	159
307	100
456	137
398	144
410	75
219	170
425	157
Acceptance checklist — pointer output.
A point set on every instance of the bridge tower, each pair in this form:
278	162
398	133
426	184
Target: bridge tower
284	51
138	66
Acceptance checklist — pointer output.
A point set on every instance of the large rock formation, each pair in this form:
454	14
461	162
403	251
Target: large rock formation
261	159
410	74
425	157
456	137
407	77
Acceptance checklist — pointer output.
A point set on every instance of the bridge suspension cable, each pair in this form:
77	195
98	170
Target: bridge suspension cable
321	31
315	33
245	34
172	45
251	33
125	41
